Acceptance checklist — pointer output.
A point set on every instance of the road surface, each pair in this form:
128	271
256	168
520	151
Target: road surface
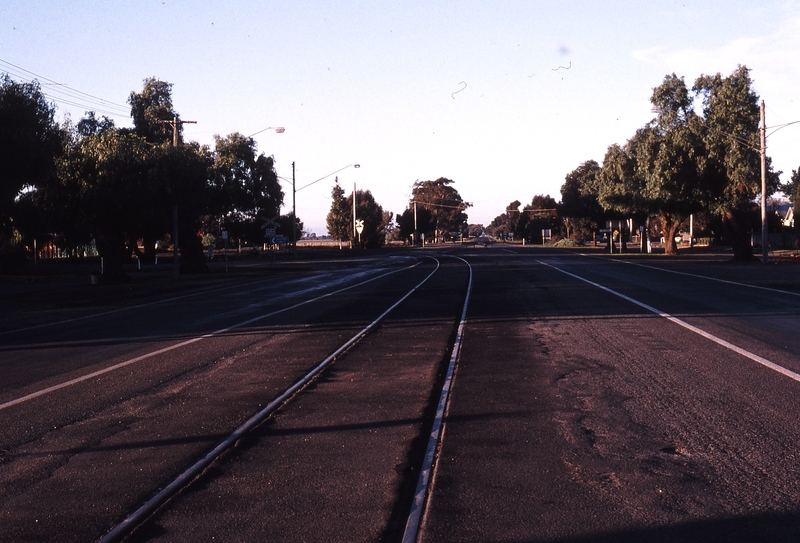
595	398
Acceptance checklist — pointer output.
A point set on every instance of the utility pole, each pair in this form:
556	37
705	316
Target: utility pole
175	123
763	152
415	223
354	214
294	216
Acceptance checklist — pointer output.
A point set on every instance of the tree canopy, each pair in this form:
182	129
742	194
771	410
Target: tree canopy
119	186
30	142
340	218
444	204
700	153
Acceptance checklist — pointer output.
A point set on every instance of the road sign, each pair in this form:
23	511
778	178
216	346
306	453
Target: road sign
359	226
269	232
280	240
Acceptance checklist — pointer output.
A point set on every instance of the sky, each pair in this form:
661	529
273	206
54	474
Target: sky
503	97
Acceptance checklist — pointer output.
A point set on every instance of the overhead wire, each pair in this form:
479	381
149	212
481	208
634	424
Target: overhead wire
64	94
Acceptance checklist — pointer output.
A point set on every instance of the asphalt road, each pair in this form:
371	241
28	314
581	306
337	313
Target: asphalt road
595	399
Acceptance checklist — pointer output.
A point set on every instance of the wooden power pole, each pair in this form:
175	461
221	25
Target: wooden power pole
175	123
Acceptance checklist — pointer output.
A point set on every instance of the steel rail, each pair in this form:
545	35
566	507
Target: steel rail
415	516
185	478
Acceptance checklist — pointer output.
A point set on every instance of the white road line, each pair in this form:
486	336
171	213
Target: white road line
104	313
778	291
138	306
719	341
109	369
193	471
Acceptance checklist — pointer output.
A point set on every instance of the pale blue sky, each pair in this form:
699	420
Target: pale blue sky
503	97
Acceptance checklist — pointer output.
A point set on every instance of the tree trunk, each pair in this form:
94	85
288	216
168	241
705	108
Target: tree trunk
737	230
149	254
669	226
193	258
112	251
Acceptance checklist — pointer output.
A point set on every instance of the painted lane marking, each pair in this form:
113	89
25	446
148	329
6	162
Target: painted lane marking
166	300
779	291
125	363
185	478
719	341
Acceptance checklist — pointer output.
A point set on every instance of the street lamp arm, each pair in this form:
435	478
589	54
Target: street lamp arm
779	126
277	129
330	174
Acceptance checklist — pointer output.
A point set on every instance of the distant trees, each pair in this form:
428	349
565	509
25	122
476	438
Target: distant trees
440	210
529	222
376	222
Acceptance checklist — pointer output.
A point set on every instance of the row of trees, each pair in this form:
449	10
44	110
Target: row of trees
122	186
698	155
528	223
436	211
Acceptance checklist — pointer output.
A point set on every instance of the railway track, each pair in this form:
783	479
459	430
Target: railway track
413	308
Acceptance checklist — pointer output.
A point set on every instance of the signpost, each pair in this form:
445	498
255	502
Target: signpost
359	229
225	238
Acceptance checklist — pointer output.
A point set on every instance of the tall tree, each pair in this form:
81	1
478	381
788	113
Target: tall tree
414	223
339	219
30	142
661	169
247	194
580	208
730	112
105	173
507	222
375	220
540	214
579	192
444	203
150	108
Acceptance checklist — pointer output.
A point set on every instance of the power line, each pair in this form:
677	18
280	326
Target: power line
64	94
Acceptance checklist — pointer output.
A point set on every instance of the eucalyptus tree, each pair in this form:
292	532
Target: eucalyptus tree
505	223
151	109
375	219
660	170
30	143
247	195
415	222
103	175
340	218
730	131
540	214
580	207
443	202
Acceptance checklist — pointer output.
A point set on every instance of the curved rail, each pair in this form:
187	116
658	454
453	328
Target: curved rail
426	473
182	480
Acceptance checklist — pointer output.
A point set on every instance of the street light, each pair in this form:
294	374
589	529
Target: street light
277	129
294	199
